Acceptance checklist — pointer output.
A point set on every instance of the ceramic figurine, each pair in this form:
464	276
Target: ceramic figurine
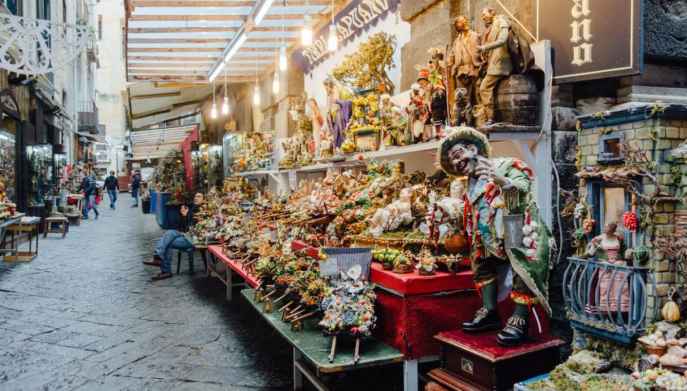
498	190
496	58
609	247
465	62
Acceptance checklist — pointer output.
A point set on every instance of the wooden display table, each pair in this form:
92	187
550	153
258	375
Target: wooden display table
56	224
231	267
311	350
475	361
26	228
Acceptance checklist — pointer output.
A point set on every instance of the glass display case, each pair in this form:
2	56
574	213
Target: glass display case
8	163
40	159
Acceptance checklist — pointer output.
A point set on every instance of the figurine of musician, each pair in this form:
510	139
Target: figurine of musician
499	189
464	62
495	56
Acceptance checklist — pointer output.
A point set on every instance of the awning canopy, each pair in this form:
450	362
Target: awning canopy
183	40
157	143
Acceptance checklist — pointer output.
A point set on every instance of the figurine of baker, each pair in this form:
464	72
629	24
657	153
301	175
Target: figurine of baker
499	190
465	62
495	56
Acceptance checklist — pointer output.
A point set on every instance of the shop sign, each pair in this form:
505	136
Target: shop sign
357	17
592	39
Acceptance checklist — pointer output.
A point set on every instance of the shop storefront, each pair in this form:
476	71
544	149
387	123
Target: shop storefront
10	141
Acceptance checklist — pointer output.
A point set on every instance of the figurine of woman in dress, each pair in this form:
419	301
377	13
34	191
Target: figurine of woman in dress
315	115
610	248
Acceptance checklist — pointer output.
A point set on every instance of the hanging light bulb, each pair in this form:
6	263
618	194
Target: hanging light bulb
332	41
275	83
256	96
225	103
282	59
306	33
213	109
225	106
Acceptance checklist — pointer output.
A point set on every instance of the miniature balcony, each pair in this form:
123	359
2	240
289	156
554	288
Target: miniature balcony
607	301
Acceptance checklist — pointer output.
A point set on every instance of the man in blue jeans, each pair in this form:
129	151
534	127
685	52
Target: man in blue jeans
89	188
112	187
175	240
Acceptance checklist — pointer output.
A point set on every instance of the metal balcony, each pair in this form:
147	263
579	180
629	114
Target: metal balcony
615	309
88	117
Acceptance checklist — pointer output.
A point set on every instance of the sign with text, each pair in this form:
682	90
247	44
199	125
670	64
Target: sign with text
592	39
354	19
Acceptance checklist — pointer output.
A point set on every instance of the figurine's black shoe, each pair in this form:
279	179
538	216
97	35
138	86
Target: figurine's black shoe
514	333
484	320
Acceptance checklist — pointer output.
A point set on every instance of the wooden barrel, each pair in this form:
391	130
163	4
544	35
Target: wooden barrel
517	101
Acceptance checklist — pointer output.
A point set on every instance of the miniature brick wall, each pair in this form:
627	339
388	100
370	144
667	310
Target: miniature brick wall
670	218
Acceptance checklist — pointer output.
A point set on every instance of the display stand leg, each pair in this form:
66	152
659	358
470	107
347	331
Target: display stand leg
332	352
410	377
229	274
356	354
297	375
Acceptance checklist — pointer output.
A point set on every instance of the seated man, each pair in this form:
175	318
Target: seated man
175	240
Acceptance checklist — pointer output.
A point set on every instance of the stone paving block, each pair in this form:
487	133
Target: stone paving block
86	316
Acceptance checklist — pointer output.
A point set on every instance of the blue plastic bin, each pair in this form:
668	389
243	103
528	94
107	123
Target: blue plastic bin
153	202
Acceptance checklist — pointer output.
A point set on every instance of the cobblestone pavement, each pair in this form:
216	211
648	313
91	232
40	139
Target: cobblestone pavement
85	316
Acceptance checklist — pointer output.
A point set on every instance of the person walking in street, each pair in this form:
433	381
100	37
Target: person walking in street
112	187
135	187
89	188
175	240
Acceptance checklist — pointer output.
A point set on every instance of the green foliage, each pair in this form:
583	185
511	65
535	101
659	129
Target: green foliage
367	68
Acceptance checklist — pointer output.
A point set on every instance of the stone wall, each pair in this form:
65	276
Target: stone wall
657	137
666	29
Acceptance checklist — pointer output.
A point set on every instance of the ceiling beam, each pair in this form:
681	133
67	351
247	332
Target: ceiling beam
158	95
165	65
158	30
173	78
200	41
174	50
165	58
215	3
208	17
150	113
191	72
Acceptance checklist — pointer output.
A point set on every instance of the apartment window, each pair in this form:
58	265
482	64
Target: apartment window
100	27
43	9
16	7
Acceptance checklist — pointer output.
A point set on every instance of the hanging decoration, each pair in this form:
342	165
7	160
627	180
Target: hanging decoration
37	47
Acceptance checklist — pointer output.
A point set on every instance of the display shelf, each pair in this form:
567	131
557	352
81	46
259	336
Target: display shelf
256	173
314	346
218	252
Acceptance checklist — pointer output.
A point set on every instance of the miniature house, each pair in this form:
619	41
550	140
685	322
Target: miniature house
631	165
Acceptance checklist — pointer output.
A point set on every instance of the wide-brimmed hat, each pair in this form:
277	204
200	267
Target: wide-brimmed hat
461	135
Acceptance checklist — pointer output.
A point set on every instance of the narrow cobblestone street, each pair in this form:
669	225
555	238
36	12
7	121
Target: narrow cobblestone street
84	315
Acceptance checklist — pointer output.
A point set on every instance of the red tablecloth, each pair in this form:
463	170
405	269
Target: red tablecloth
218	252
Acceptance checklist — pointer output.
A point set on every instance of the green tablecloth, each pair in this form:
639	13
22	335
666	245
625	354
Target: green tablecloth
315	346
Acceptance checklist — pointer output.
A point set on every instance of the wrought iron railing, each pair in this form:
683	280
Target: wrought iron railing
607	300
